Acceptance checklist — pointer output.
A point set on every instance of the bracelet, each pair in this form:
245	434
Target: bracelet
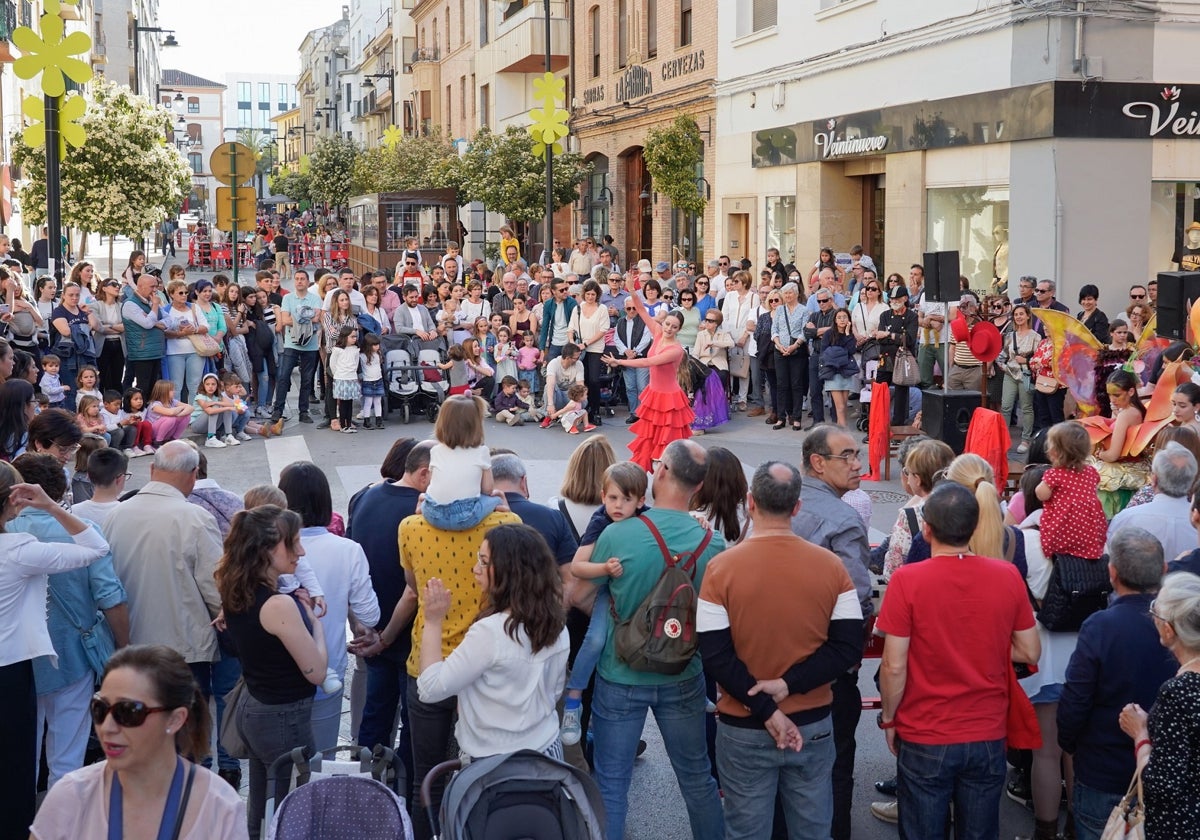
1137	748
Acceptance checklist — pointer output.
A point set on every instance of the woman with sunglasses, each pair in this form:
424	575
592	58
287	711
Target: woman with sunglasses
691	318
278	638
710	402
147	715
182	321
112	334
73	323
865	321
766	353
706	298
23	592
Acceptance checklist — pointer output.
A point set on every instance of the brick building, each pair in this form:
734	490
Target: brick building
636	65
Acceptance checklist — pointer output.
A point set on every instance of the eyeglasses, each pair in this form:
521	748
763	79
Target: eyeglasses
126	713
997	307
1152	613
1132	296
711	321
823	300
481	562
1042	291
870	288
852	457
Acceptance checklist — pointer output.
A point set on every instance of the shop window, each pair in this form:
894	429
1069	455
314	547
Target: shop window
974	222
1174	207
781	227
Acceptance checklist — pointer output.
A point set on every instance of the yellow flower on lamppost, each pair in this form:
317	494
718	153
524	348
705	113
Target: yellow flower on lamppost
550	121
50	54
70	109
392	137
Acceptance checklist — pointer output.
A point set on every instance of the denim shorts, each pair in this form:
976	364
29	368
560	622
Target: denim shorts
1050	693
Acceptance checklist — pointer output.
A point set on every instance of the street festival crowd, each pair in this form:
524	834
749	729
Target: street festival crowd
1056	629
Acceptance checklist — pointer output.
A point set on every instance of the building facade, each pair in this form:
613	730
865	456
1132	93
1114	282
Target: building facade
1054	139
636	65
323	55
203	129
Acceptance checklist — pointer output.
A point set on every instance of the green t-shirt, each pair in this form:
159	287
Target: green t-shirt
642	561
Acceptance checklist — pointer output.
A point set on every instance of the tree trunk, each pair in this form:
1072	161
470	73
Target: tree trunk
110	257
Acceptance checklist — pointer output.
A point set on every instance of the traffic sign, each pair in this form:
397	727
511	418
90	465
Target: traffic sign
232	163
236	207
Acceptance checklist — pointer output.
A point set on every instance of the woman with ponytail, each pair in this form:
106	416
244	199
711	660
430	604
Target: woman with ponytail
148	714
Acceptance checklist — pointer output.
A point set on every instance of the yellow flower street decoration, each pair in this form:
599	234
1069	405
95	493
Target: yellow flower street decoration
71	109
392	137
549	121
51	54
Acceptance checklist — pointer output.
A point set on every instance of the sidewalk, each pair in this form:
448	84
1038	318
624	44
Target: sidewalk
97	253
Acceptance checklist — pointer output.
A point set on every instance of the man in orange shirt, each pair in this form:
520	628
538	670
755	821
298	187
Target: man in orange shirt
779	620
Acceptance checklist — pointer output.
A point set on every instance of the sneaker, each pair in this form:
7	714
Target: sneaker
889	812
324	424
243	436
886	786
305	417
147	449
132	453
1023	448
570	731
214	443
230	440
1019	790
545	422
590	427
350	430
574	430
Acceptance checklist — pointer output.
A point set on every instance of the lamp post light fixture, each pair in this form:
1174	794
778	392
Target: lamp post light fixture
302	130
390	75
169	41
334	119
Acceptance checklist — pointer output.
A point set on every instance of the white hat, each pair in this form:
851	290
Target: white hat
645	267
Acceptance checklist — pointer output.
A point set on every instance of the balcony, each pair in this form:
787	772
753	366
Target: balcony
99	51
8	22
426	71
519	45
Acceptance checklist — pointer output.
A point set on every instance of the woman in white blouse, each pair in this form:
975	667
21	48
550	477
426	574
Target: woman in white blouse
589	324
23	633
864	321
511	667
739	320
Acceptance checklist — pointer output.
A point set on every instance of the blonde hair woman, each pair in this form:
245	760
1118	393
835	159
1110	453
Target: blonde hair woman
991	538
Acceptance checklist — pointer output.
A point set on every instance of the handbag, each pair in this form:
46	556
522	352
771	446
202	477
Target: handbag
1128	817
204	344
1045	384
1078	587
231	736
98	642
905	370
739	362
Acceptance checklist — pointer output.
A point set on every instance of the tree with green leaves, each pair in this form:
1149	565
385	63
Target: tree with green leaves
416	162
331	170
296	184
501	172
123	181
674	154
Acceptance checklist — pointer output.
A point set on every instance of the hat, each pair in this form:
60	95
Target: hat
644	267
1194	226
662	266
985	341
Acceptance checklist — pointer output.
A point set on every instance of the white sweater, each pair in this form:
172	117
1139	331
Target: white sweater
343	363
506	692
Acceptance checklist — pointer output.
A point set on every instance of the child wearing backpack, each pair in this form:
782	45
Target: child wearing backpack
624	493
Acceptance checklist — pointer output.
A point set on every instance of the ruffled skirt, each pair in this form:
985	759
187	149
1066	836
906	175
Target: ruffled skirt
710	406
663	416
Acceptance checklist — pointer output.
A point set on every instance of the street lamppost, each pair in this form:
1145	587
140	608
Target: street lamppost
549	149
176	101
169	41
302	130
390	75
334	119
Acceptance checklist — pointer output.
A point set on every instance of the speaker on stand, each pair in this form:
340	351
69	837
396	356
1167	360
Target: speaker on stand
1177	291
946	415
941	276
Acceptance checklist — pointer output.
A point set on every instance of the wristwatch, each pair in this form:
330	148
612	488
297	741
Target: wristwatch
885	724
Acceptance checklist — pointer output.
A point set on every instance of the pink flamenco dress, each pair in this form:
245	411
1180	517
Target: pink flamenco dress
663	411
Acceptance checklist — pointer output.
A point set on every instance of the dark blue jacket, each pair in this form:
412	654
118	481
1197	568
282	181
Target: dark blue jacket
1117	660
1187	563
548	522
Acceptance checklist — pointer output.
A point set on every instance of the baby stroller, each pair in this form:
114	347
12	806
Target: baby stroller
354	798
612	390
414	384
520	796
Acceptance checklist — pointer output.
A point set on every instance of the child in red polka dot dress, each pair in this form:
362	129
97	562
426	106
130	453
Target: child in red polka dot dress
1072	517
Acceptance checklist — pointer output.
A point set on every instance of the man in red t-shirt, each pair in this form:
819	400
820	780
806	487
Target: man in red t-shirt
955	624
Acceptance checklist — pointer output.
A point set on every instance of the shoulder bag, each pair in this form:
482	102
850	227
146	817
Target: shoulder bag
1128	817
98	642
1078	587
905	371
231	736
204	344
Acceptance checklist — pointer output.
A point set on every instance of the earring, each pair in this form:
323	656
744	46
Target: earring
168	730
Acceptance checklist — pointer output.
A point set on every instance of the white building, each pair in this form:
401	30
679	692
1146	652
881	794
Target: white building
253	99
201	130
118	26
1044	138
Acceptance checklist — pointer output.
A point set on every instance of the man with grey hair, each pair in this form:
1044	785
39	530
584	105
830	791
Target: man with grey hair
1168	514
624	695
165	550
510	478
1117	660
779	621
832	468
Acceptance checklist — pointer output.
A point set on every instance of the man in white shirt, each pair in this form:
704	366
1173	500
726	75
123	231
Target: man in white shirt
934	326
1168	515
561	373
345	282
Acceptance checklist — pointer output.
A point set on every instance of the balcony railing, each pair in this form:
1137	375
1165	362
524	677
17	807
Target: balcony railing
426	54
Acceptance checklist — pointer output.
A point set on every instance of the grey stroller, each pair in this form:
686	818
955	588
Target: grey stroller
520	796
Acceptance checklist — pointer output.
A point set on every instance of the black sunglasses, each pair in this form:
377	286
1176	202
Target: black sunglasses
410	262
126	713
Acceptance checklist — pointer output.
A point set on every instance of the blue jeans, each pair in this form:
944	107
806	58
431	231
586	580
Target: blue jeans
593	643
533	378
239	420
636	379
185	369
618	717
930	777
1092	808
387	692
460	514
289	359
752	769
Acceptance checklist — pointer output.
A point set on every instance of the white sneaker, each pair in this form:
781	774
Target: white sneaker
230	440
570	731
243	436
147	450
214	443
132	453
889	812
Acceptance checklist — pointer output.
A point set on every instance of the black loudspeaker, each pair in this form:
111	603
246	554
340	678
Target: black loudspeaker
946	415
941	276
1177	291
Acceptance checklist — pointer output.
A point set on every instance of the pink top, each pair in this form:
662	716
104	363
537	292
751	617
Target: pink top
77	808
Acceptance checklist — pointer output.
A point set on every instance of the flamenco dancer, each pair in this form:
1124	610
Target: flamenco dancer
663	411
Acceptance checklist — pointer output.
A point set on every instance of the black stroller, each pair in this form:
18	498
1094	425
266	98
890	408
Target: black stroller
520	796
